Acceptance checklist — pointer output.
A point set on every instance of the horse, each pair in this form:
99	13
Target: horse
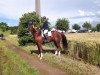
55	37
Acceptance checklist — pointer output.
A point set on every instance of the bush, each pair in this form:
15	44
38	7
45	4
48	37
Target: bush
13	29
94	29
24	37
25	40
98	27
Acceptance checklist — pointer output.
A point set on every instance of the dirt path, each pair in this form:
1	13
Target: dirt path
40	65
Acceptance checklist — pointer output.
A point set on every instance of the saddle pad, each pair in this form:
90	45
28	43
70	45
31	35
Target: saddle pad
49	33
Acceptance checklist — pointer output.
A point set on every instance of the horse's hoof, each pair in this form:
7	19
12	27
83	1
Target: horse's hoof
58	55
55	54
40	58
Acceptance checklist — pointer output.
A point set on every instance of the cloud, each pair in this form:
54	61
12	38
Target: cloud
78	20
14	9
81	13
97	17
85	13
98	14
88	16
97	2
53	9
82	17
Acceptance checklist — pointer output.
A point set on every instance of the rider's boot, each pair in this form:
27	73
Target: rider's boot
46	38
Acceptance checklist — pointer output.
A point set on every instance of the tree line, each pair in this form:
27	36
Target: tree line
22	29
4	27
61	24
87	26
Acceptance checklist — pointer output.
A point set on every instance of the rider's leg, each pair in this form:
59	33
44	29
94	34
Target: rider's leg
46	35
45	31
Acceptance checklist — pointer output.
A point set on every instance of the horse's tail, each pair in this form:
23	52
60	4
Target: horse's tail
64	42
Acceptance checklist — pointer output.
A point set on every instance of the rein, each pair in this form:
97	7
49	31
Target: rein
34	27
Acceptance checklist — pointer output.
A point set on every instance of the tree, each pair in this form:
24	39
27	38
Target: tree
87	25
94	29
13	29
76	27
98	27
4	27
24	37
62	24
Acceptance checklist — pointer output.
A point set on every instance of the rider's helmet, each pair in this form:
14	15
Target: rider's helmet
31	22
44	17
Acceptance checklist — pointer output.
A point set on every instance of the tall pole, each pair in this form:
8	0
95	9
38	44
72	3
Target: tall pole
38	8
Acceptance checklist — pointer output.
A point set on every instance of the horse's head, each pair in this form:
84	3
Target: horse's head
33	29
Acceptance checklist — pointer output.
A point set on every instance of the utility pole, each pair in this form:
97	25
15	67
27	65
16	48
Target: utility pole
38	8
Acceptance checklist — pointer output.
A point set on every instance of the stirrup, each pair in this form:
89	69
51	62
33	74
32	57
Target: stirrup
46	41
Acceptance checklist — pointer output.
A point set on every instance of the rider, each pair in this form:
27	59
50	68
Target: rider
45	28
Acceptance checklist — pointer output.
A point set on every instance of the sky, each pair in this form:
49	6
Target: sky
76	11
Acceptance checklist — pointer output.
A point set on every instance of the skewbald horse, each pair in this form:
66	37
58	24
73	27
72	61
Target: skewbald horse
55	37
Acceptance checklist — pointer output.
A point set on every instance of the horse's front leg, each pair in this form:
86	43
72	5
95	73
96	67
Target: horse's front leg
59	53
40	50
56	52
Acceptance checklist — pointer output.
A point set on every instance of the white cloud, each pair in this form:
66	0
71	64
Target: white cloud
98	14
14	9
97	17
88	16
84	16
91	13
81	13
81	20
85	13
97	2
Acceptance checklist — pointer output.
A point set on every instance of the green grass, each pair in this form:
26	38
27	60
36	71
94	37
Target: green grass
2	43
6	33
12	64
13	39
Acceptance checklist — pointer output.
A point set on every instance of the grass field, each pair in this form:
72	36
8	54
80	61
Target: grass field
12	64
83	37
75	67
5	33
85	46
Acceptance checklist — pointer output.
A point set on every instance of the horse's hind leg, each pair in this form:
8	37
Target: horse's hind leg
58	48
